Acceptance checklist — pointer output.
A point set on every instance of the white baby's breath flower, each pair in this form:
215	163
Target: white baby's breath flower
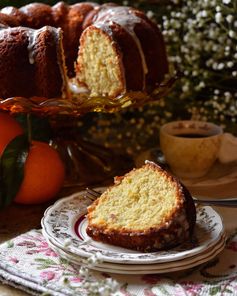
230	64
220	66
215	66
94	260
67	242
204	13
202	84
218	17
150	14
226	1
221	39
185	88
227	48
232	34
227	94
215	47
230	18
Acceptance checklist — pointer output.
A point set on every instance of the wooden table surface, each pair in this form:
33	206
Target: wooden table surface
18	219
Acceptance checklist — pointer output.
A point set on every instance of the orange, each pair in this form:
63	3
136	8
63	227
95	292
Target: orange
43	175
9	129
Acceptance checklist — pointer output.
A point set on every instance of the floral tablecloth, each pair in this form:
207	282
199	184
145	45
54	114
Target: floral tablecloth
28	263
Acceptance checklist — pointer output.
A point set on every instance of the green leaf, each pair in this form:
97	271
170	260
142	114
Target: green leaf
214	290
63	261
10	244
228	291
45	261
12	164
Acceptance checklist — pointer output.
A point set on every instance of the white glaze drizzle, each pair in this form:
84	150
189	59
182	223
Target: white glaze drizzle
76	89
31	34
32	39
124	17
8	10
27	8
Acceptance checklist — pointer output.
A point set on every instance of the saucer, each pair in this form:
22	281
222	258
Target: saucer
220	176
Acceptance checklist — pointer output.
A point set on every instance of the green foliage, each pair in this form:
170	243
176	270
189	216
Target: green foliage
40	129
12	164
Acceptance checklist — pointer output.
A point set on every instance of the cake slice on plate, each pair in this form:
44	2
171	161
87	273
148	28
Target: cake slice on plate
146	210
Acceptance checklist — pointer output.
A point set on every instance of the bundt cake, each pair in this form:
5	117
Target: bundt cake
108	49
146	210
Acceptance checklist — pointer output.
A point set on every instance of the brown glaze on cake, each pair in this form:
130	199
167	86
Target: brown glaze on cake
37	15
28	62
146	210
120	49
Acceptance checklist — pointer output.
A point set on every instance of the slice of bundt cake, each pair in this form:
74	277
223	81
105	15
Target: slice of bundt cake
120	50
146	210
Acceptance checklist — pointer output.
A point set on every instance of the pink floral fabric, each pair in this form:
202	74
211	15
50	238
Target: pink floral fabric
28	263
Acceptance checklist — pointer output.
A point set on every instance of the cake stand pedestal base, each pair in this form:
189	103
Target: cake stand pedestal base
86	163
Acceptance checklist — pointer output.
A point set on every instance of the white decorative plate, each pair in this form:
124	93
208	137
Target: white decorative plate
65	223
145	268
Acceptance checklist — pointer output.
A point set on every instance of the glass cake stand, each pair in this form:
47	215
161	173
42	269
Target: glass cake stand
86	163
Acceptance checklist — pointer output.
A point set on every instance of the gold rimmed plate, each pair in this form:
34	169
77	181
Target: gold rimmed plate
66	221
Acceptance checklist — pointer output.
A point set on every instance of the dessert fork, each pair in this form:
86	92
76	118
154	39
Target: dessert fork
92	194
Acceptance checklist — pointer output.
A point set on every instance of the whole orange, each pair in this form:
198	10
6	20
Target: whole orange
43	175
9	129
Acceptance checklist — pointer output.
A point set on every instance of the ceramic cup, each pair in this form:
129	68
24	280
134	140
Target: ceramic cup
190	147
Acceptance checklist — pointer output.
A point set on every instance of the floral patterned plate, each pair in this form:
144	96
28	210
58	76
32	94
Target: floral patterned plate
65	224
141	268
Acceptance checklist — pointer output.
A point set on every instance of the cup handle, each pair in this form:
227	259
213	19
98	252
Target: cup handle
228	149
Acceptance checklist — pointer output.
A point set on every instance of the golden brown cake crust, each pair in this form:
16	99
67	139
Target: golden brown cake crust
176	228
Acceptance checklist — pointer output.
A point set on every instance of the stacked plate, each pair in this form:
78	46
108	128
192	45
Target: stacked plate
64	227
